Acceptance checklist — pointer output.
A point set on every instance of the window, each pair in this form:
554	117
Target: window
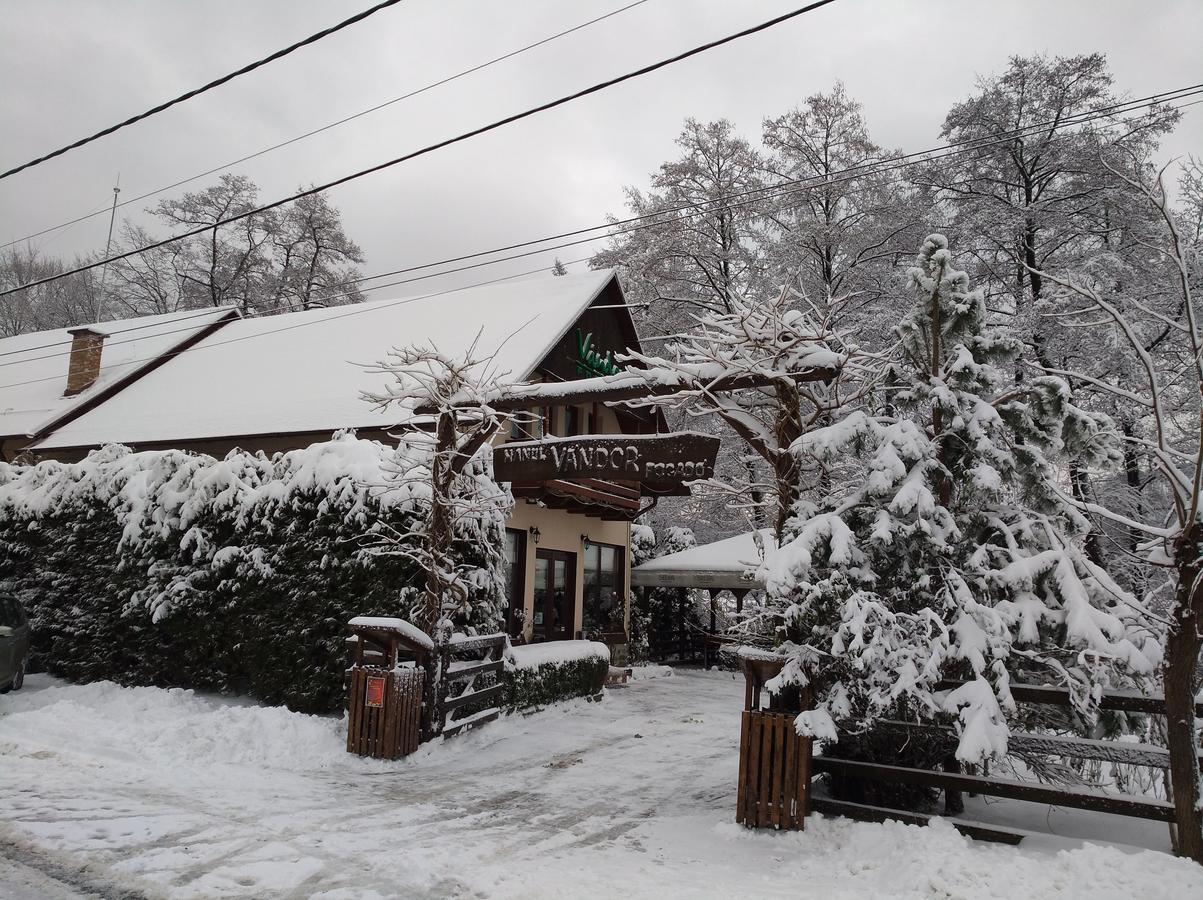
527	425
572	421
515	579
604	594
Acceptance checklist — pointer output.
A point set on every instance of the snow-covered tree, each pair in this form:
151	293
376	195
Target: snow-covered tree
1029	193
941	551
1156	328
697	249
765	370
443	406
838	219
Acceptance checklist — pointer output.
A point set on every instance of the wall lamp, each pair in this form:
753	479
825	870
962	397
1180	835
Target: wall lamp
534	533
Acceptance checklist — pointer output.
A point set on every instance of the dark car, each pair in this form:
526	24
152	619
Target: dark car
14	643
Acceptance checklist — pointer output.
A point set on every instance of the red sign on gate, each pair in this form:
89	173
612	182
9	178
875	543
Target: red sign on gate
373	695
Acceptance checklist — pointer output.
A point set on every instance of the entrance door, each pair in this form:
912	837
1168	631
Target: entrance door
555	595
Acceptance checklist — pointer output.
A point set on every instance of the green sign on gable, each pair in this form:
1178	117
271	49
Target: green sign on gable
590	363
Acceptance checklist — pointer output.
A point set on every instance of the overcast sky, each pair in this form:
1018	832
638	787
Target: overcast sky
70	67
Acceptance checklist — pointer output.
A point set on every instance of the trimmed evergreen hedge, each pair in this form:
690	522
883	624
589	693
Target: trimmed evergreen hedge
555	681
238	575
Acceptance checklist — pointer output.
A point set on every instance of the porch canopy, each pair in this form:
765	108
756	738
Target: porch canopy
725	565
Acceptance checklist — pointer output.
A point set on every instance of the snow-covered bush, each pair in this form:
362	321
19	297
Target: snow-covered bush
940	551
235	574
555	671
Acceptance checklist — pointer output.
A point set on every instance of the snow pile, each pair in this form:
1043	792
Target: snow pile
643	673
172	728
531	656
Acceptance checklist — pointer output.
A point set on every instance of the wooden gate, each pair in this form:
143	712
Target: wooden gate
774	771
384	711
472	659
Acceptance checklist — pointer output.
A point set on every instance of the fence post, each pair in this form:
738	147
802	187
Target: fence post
774	760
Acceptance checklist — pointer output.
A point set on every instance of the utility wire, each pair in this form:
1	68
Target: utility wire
430	148
771	192
343	121
313	38
839	176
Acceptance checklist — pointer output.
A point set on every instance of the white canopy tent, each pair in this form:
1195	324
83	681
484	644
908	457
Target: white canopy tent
727	565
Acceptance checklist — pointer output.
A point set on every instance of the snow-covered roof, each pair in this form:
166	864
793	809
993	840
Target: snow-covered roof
33	367
722	565
304	371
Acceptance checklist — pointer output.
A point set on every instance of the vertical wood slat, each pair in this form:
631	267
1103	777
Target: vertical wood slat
774	772
741	785
766	771
789	787
802	792
754	742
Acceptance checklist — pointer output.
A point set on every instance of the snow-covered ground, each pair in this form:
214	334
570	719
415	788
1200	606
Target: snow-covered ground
104	789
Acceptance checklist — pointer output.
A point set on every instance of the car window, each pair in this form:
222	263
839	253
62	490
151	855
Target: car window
10	612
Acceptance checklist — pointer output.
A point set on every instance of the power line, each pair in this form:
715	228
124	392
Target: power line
343	121
313	38
832	178
771	192
430	148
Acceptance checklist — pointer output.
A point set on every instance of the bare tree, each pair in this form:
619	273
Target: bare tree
1166	390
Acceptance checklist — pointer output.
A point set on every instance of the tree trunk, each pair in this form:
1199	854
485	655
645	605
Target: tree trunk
1181	661
438	537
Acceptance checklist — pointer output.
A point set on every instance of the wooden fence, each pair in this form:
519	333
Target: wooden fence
388	714
760	768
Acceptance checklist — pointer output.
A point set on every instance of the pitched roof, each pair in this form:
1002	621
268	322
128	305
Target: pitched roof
33	367
303	372
725	564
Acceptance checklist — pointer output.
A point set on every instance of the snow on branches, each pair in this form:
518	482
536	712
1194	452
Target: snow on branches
939	552
445	410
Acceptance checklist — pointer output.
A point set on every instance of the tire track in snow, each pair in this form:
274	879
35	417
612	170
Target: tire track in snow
59	871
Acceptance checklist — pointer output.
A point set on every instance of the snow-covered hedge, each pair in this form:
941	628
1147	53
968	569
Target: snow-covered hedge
235	574
557	670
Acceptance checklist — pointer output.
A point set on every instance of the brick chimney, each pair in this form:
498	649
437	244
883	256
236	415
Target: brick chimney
84	366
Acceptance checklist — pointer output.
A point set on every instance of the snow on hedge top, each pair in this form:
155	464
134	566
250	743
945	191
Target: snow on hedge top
33	367
410	632
531	656
305	371
156	491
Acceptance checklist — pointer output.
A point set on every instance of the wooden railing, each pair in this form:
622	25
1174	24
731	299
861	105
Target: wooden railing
468	706
759	769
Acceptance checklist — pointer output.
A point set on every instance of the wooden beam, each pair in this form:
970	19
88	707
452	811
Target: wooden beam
459	672
1077	798
1124	701
487	694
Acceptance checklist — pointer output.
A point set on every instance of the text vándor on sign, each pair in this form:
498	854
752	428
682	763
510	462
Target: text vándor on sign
660	458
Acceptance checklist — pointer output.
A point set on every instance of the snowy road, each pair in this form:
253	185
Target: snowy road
163	793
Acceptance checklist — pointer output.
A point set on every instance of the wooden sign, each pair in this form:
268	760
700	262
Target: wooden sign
649	458
373	695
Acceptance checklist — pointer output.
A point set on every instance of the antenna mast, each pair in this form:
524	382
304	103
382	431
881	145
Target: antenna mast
107	244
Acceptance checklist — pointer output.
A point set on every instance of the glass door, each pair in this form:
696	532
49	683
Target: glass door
555	595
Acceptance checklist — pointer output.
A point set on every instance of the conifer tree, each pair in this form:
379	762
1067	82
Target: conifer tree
940	551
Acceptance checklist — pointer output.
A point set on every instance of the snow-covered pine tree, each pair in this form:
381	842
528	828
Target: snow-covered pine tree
940	553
